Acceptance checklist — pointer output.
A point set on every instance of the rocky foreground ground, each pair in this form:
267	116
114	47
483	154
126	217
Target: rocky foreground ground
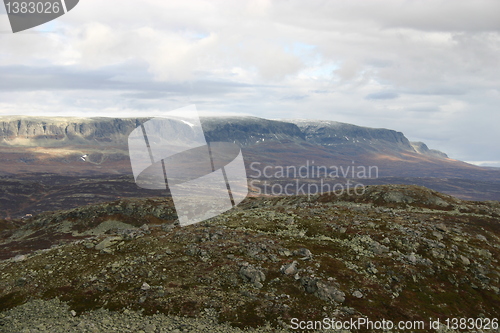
394	253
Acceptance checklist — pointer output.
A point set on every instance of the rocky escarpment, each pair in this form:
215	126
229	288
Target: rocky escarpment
245	131
31	131
336	134
57	131
422	148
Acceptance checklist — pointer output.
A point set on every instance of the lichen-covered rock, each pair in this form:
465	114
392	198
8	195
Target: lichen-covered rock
289	269
252	275
322	290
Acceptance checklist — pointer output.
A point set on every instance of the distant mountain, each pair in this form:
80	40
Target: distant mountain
92	147
332	133
61	131
245	131
250	131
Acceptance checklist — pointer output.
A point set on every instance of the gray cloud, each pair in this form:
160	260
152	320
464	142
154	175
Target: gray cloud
31	78
382	95
373	63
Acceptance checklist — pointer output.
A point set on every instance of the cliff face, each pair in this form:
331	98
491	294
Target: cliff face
28	131
332	133
422	148
245	131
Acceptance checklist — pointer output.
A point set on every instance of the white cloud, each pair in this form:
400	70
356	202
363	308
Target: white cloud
427	68
495	164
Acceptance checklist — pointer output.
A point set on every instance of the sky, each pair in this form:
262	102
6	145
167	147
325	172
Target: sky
427	68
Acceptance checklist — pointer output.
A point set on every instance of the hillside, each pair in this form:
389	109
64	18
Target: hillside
397	252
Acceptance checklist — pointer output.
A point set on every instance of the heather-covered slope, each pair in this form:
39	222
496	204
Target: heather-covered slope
394	253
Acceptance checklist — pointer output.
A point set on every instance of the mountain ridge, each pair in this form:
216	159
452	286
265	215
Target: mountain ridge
61	162
56	131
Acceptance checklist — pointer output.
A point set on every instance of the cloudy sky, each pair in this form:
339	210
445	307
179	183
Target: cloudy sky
427	68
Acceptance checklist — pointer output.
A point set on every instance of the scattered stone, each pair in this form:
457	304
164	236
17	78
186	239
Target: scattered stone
21	282
252	275
167	227
88	245
412	258
442	227
438	235
285	252
150	328
465	260
378	248
19	258
145	286
304	253
371	268
322	290
484	253
348	310
289	269
107	242
357	294
481	237
329	293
